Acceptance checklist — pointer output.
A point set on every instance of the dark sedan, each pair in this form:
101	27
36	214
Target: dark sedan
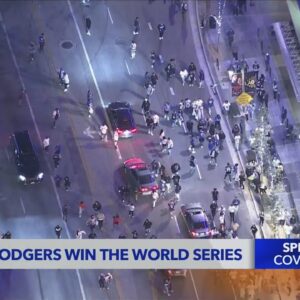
121	118
198	224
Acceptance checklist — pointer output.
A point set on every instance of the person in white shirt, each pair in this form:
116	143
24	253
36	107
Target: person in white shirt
155	197
183	74
226	106
116	139
103	132
46	143
80	234
170	145
155	118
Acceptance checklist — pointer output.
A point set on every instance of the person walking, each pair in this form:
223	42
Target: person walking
254	230
183	75
231	210
100	219
97	206
41	42
46	143
213	208
161	30
192	145
65	213
192	163
67	183
167	287
58	231
136	25
116	139
228	171
153	58
88	24
131	210
167	109
65	81
147	226
132	49
215	194
155	197
81	208
170	145
32	51
171	205
242	179
79	234
103	132
283	114
55	116
261	218
177	191
275	89
146	106
56	159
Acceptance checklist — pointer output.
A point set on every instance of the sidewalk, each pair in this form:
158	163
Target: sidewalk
249	47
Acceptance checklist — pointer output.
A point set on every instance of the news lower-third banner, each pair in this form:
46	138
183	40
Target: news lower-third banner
277	254
126	254
149	254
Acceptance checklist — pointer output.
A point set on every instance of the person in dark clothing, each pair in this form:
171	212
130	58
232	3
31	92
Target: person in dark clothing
176	179
88	24
189	126
97	206
175	168
215	194
242	179
213	208
58	231
161	30
67	183
146	106
136	25
254	230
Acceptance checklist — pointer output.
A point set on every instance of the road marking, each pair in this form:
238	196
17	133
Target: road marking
161	58
111	20
177	225
184	128
150	26
6	153
194	285
23	206
198	170
127	67
172	91
39	136
119	153
89	132
91	68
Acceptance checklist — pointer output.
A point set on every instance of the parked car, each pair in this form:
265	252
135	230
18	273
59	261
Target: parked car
198	223
26	160
121	118
139	177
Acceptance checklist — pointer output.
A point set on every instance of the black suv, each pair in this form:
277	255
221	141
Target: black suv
26	160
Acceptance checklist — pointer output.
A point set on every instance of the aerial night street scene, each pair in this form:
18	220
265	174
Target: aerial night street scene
149	119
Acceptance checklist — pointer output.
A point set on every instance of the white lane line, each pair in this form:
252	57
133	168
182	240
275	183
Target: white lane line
23	206
111	20
198	170
150	26
172	91
39	136
177	225
127	67
88	61
119	153
184	128
194	285
6	153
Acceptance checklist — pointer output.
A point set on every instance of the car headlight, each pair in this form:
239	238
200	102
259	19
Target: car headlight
22	178
40	176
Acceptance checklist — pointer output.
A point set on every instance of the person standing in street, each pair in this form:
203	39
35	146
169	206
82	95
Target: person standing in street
261	218
283	114
131	210
81	208
55	117
161	30
67	183
213	208
116	139
116	221
41	42
56	159
88	24
231	210
155	197
228	171
100	219
65	213
136	25
183	75
153	58
147	226
254	230
133	49
80	234
215	194
192	163
242	179
32	51
46	143
170	145
58	231
171	205
103	132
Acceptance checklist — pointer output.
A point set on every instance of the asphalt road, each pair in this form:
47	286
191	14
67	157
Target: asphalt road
97	61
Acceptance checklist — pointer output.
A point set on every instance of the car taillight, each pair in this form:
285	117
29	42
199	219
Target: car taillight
155	188
193	233
119	131
144	189
133	130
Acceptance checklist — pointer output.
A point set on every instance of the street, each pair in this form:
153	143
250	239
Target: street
101	63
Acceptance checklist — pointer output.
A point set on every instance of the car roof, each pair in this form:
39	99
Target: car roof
119	105
193	206
23	142
135	163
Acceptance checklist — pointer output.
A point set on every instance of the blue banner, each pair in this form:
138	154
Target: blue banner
277	254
